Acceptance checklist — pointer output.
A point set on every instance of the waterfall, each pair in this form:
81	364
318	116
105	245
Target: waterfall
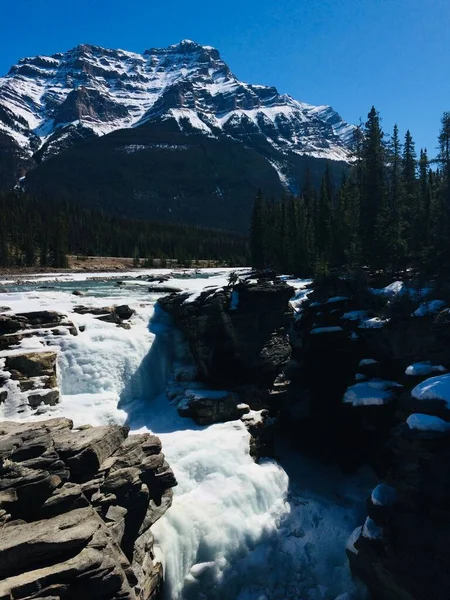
237	530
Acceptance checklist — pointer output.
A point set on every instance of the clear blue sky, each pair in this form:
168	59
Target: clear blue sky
351	54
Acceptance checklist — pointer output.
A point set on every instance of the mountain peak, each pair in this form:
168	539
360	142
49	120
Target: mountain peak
48	103
184	47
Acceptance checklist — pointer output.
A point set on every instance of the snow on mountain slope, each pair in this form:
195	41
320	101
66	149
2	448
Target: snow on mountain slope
48	103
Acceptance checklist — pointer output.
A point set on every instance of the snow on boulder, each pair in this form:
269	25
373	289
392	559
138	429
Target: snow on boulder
420	422
356	315
428	308
393	289
338	299
318	330
424	368
364	362
383	495
375	392
433	388
371	530
356	533
373	323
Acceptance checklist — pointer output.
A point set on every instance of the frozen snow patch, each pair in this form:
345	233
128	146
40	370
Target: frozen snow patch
424	368
421	422
375	392
383	495
427	308
371	530
434	388
319	330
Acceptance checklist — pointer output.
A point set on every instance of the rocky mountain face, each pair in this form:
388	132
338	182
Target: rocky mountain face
173	121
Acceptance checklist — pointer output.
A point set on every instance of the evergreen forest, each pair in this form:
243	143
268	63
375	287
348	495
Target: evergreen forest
37	232
390	213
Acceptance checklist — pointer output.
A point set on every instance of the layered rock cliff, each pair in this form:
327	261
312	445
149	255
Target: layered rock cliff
76	510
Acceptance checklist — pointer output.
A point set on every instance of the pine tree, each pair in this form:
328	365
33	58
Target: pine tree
258	226
373	186
323	219
394	240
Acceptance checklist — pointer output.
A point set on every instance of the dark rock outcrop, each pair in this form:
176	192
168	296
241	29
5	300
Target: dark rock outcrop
237	336
76	510
236	346
408	559
109	314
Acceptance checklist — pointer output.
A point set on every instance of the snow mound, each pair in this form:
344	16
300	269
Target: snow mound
375	392
391	290
356	315
427	308
364	362
352	539
318	330
338	299
421	422
371	530
383	495
424	368
373	323
434	388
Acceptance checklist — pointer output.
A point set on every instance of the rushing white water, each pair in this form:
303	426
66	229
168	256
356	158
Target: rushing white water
237	529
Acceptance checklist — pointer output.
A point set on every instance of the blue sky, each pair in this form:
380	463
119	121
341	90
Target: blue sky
351	54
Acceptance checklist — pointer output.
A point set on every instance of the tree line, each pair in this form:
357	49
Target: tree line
390	213
39	232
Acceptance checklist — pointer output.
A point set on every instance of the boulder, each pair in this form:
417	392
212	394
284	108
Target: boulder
32	364
41	317
109	314
35	373
76	510
124	312
211	406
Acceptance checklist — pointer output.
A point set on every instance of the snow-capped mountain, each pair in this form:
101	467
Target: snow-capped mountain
49	104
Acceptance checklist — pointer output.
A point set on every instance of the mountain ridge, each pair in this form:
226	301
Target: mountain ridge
50	104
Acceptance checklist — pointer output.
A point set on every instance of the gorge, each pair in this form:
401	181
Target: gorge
275	442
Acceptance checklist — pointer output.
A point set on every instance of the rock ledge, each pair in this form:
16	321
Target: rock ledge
76	510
